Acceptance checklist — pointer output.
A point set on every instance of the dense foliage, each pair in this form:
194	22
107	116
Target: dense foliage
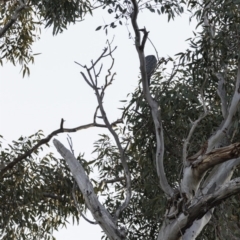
16	43
36	194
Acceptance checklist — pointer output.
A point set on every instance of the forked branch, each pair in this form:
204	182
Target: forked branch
92	80
155	109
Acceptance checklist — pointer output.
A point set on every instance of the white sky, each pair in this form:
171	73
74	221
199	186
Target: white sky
56	90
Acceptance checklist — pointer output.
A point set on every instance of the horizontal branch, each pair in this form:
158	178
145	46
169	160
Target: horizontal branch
114	180
207	202
216	157
43	141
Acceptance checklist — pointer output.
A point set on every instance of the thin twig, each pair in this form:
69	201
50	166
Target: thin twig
45	141
100	95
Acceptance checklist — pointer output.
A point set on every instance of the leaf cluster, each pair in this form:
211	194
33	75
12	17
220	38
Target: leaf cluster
16	44
181	103
36	194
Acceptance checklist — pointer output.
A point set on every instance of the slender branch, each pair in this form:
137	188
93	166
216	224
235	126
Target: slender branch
13	19
187	140
155	109
194	125
100	95
45	141
155	49
114	180
231	112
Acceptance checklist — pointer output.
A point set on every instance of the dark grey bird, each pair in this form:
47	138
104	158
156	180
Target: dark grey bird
151	63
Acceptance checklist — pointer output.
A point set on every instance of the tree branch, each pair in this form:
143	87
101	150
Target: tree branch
186	141
231	112
204	204
13	19
43	141
100	96
155	109
100	214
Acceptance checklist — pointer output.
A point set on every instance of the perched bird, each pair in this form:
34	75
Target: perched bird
151	63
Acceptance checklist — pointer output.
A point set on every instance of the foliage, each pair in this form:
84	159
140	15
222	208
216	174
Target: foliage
16	44
36	194
27	189
180	98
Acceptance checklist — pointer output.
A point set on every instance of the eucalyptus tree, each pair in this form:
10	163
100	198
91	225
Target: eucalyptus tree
21	22
171	159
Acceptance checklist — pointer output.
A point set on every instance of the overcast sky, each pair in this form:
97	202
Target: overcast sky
56	90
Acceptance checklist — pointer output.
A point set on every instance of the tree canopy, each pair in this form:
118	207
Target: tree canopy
169	168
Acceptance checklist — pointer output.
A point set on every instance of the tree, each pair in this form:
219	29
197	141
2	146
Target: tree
21	22
188	118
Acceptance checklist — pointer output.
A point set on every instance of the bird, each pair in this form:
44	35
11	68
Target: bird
151	63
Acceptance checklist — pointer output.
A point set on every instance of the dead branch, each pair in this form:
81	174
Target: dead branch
99	92
99	212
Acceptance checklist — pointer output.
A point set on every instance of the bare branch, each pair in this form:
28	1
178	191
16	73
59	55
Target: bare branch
154	48
199	208
114	180
219	175
100	214
194	173
87	81
100	94
187	140
70	143
43	141
194	125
